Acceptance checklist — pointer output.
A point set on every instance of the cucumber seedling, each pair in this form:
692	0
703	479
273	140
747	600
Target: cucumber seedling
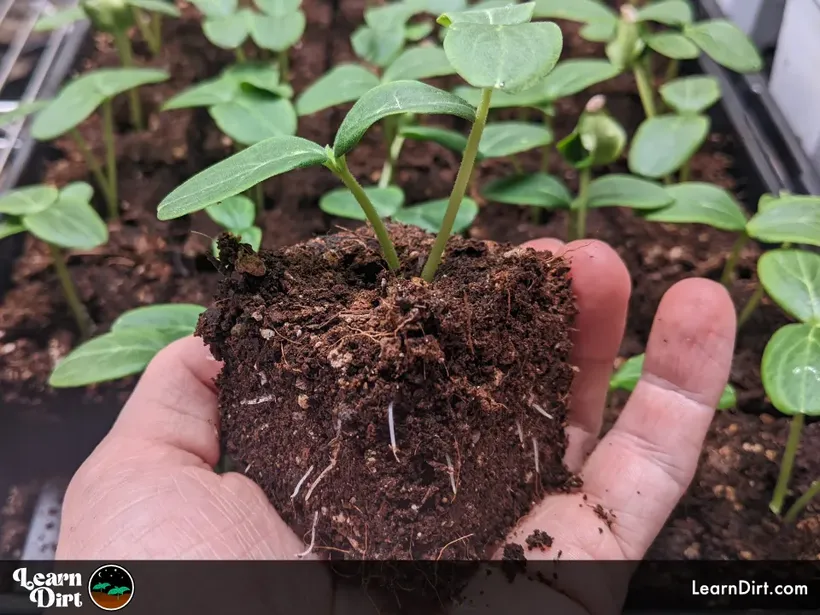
236	215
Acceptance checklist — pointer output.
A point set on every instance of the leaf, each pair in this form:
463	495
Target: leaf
59	19
111	356
795	222
68	223
251	236
626	191
278	7
532	97
502	139
691	94
345	83
598	140
418	31
388	16
379	47
510	58
726	44
663	144
260	75
80	191
667	12
768	201
277	32
156	6
235	212
216	8
574	76
392	99
182	317
203	94
240	172
510	14
77	100
430	215
792	279
599	31
8	228
536	190
585	11
28	200
673	45
419	63
343	204
627	46
22	110
701	203
452	140
789	369
253	116
228	31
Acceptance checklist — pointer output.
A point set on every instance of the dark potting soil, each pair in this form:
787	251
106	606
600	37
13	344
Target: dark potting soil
336	360
149	261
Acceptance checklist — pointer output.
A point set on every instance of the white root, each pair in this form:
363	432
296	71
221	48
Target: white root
542	411
323	474
535	452
301	482
392	427
452	473
258	400
520	431
308	551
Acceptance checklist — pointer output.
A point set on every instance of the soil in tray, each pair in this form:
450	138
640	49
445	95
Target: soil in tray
147	261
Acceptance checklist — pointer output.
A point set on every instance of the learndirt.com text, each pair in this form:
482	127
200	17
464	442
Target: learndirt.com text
748	588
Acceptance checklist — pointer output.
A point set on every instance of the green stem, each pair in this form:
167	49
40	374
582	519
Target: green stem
259	198
147	31
685	172
751	305
156	28
240	55
110	158
579	229
728	275
95	168
126	57
517	165
284	65
786	464
342	171
802	502
672	70
389	167
70	291
460	186
545	151
535	215
645	89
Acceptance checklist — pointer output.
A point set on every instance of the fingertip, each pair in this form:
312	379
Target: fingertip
193	355
601	268
544	244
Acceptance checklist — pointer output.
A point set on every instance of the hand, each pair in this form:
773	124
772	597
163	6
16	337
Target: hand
149	491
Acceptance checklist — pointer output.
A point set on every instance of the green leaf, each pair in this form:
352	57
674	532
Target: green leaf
388	16
260	75
22	110
430	215
156	6
251	236
343	204
228	31
418	31
240	172
182	317
510	58
502	139
700	203
345	83
691	94
59	19
111	356
627	46
598	140
235	212
585	11
80	191
379	47
507	15
599	31
789	370
574	76
77	100
393	99
8	228
253	116
794	222
673	45
278	7
532	97
277	32
626	191
668	12
68	223
663	144
216	8
28	200
452	140
792	279
726	44
203	94
536	190
419	63
728	399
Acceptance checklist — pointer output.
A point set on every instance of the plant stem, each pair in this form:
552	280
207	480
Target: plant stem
343	172
394	144
579	229
802	502
460	186
77	307
240	55
545	151
156	28
284	65
645	89
110	158
728	275
672	70
147	31
751	305
259	198
124	50
535	215
95	168
685	172
786	464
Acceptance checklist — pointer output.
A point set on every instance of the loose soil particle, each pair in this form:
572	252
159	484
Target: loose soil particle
539	539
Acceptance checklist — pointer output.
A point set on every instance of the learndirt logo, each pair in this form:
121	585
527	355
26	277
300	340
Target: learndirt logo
110	588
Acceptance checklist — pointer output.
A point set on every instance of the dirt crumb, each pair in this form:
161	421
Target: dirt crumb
539	539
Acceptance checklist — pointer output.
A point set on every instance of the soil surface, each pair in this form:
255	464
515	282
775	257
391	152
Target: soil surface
148	261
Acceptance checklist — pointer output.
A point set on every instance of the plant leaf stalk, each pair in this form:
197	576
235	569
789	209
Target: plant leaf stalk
751	305
126	57
459	188
110	158
728	275
645	88
787	463
802	502
78	310
394	144
284	64
96	170
148	31
579	228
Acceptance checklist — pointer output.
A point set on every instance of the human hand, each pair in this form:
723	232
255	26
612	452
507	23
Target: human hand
149	490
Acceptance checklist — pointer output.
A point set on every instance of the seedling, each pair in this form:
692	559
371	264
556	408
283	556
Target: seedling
277	26
76	102
494	49
135	338
236	215
62	219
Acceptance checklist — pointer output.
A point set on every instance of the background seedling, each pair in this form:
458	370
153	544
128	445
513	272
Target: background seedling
62	219
135	338
236	215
